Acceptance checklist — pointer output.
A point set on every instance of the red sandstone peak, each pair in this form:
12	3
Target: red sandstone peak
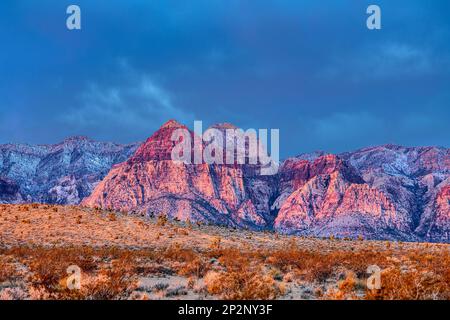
172	123
159	146
150	182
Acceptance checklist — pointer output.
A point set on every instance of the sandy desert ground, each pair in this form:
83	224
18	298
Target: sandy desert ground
124	256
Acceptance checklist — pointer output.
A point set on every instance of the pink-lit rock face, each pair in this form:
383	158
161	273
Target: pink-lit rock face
152	183
412	178
159	146
294	173
336	202
437	214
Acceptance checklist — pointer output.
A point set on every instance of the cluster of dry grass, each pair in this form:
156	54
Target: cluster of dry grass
41	273
128	251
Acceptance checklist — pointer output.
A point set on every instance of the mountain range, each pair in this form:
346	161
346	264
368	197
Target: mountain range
62	173
385	192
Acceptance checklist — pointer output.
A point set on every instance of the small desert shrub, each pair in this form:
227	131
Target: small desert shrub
178	291
215	243
241	285
345	288
197	267
176	252
115	282
48	266
182	232
276	274
7	270
243	277
162	220
411	285
191	262
191	282
161	286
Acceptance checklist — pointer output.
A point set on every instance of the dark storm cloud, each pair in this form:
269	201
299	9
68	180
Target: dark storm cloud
310	68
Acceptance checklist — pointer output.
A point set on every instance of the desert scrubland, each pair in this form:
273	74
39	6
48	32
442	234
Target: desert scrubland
125	256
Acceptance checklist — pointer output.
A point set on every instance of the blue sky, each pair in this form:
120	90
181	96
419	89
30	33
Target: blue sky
310	68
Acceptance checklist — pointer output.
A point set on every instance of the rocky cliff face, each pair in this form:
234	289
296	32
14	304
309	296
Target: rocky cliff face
63	173
412	178
333	200
385	192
